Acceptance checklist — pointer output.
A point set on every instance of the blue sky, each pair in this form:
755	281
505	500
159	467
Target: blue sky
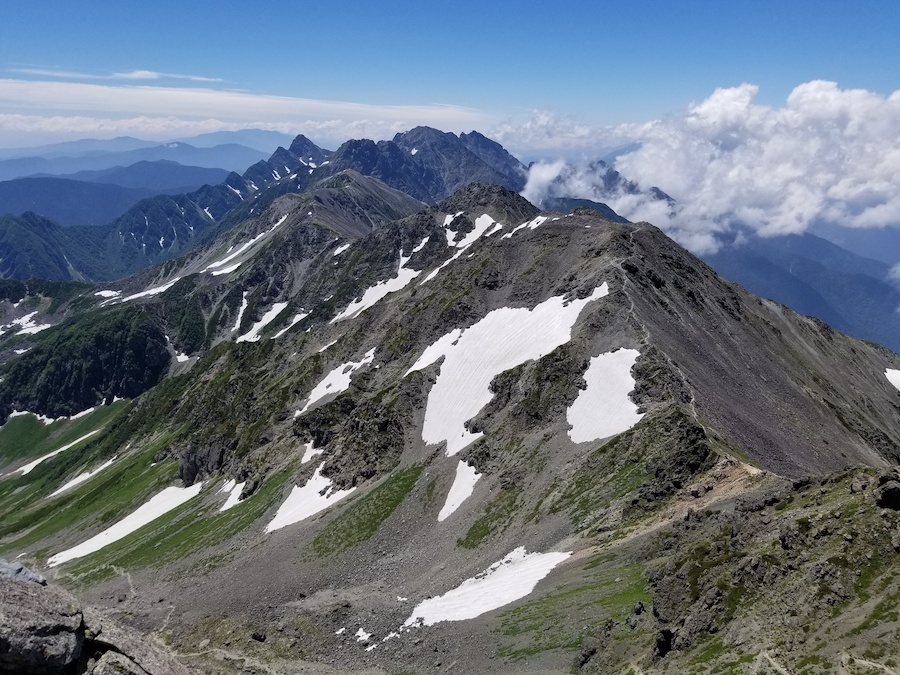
457	65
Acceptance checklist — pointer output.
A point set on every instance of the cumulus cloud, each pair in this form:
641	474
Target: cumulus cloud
829	155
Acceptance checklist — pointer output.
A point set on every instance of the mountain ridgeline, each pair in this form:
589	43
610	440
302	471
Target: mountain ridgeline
379	418
424	163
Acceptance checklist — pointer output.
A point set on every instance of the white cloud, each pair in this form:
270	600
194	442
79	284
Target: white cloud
828	155
64	107
544	132
129	75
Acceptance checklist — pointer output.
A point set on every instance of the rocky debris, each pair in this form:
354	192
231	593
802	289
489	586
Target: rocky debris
18	572
44	630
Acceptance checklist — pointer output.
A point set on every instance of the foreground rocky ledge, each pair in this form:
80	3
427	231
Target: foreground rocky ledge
44	630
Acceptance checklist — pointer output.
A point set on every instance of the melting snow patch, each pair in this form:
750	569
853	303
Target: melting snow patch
153	291
27	325
484	227
237	324
362	635
337	380
603	409
413	151
43	419
463	485
531	225
504	582
159	505
234	489
226	270
83	477
108	294
503	339
243	247
340	249
181	358
375	293
317	495
253	334
297	319
309	452
893	376
28	468
340	631
322	349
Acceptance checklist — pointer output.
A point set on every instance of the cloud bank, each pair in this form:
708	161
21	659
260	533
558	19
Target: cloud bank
59	108
829	155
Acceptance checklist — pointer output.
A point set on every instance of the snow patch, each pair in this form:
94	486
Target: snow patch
297	319
309	452
463	485
531	225
83	477
338	380
158	505
893	376
108	294
375	293
234	489
303	502
231	255
506	581
503	339
341	249
28	468
156	290
237	324
603	409
253	334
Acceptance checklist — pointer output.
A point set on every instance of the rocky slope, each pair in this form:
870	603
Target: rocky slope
474	437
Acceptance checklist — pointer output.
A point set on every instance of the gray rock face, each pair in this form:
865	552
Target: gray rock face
44	631
40	628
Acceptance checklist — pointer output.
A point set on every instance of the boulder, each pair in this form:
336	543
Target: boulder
40	628
18	572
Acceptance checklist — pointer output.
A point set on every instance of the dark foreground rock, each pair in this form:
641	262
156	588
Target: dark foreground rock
44	631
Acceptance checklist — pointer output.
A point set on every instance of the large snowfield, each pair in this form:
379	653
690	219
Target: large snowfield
503	339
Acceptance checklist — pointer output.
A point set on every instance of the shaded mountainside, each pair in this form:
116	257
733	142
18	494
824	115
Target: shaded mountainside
472	435
69	202
815	277
161	175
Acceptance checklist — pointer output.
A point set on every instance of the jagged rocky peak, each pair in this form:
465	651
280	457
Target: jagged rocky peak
305	149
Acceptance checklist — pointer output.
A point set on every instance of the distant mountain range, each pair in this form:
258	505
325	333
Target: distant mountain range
229	156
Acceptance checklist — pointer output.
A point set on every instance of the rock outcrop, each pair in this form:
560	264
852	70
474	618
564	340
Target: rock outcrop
44	631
